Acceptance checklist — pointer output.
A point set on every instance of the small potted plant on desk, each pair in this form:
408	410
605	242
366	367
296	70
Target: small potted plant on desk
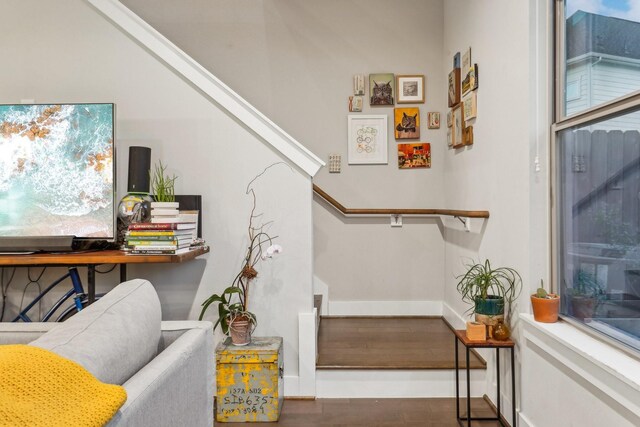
545	305
490	290
234	317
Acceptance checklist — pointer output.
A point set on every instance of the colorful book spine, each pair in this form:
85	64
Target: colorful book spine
161	226
158	251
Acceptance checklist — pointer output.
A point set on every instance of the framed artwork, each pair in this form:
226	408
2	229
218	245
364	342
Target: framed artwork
355	104
406	123
457	127
470	106
411	156
449	118
466	60
456	60
367	139
449	139
358	84
470	81
467	136
410	89
454	87
433	121
382	89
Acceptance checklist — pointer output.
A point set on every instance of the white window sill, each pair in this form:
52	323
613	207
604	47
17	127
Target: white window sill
606	367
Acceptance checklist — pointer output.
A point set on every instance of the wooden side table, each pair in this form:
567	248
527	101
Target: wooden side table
461	335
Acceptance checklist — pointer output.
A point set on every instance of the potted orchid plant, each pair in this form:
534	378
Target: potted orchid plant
234	316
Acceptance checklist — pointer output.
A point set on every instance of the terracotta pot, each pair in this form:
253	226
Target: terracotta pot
545	310
583	307
240	330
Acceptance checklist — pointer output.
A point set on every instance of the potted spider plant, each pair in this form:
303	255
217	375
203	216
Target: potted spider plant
490	290
585	295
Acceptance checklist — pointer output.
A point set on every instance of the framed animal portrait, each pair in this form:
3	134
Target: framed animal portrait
406	123
382	89
410	89
367	139
454	87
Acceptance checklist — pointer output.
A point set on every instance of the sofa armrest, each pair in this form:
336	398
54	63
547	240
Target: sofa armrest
176	387
23	332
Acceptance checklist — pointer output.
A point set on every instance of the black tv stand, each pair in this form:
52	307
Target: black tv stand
38	244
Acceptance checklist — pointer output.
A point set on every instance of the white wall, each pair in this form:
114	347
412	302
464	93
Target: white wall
65	51
294	60
497	172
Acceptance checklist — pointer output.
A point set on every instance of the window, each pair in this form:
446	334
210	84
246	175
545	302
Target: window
597	167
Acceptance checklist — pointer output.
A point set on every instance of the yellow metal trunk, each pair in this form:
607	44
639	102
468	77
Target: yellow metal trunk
249	380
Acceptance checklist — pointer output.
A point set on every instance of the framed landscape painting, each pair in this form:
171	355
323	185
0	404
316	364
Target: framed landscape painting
410	89
416	155
367	139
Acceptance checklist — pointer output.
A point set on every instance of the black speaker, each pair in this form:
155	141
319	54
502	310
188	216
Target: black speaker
139	167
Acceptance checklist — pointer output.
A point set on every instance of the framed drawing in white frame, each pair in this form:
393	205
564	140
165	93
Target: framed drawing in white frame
367	139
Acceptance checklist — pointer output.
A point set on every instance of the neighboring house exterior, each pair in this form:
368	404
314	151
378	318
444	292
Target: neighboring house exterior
603	63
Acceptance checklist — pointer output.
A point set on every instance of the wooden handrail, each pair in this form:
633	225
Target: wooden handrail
447	212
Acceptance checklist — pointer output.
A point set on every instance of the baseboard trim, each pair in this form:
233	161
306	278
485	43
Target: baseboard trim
384	308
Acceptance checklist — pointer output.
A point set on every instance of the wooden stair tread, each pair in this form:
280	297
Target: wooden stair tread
389	343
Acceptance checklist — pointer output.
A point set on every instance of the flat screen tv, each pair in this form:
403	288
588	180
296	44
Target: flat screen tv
57	171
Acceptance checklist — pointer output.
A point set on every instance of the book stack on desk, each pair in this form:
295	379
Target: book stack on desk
169	238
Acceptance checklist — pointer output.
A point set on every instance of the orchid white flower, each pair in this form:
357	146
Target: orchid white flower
271	251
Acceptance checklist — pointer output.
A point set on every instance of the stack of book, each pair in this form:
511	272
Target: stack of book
169	238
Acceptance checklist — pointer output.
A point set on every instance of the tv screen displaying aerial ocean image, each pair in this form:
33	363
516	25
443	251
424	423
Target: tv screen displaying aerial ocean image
56	170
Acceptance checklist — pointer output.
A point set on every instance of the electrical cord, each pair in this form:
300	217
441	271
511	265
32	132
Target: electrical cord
108	271
4	287
35	281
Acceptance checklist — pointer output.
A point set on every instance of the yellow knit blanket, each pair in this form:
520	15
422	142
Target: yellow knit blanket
40	388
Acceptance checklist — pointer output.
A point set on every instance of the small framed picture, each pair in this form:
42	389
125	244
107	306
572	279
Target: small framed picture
367	139
466	60
358	84
449	137
470	106
410	89
416	155
457	127
454	87
381	89
355	104
449	118
433	120
467	136
456	60
470	81
406	123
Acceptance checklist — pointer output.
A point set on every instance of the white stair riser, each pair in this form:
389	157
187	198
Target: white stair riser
347	383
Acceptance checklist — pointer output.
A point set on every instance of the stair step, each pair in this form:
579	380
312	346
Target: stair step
389	343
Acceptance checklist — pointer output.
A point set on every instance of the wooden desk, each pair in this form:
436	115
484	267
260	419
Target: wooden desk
91	259
461	336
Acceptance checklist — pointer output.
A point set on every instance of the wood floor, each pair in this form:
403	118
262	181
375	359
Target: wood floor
388	343
377	413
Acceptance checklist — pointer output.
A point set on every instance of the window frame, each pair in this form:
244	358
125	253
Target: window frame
560	121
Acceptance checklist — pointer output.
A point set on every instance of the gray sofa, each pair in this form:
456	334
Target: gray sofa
165	367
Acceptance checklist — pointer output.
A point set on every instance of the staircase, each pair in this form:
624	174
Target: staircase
407	356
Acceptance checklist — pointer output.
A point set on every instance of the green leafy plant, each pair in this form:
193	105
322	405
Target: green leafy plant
481	281
543	294
585	284
233	302
163	185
